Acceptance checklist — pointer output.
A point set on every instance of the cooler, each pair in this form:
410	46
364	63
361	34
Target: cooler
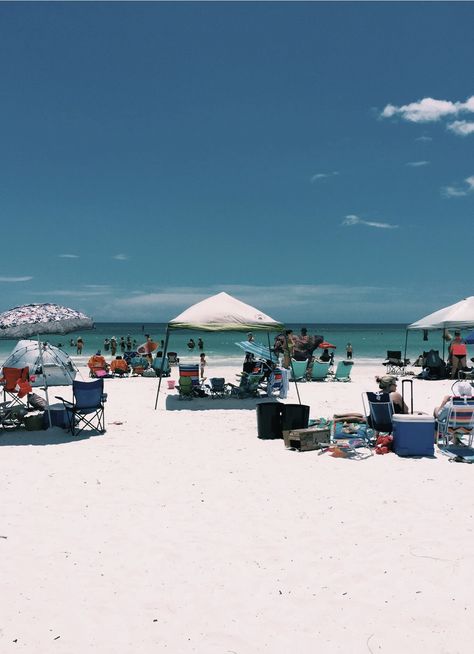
413	435
58	416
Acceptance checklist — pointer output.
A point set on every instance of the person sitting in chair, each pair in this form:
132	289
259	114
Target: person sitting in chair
388	384
97	365
460	389
119	366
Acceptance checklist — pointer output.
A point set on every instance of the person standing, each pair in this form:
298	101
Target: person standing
349	351
202	364
200	344
457	354
113	346
79	345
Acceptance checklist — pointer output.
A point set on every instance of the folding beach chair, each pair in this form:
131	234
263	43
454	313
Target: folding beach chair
298	370
158	362
185	388
275	382
248	387
173	358
394	363
379	411
320	370
343	371
459	422
217	387
87	407
16	385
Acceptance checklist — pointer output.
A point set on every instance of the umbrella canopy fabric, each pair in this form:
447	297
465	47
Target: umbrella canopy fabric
222	312
459	315
257	349
326	346
469	338
30	319
56	365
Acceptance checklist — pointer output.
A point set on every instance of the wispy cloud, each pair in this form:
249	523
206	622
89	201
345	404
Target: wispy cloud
424	138
459	190
68	256
121	257
461	127
429	110
15	279
417	164
320	176
351	220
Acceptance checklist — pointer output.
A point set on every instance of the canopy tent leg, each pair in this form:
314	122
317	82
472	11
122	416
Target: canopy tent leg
165	350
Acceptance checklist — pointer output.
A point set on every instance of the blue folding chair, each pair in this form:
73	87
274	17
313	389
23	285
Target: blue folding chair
380	411
87	408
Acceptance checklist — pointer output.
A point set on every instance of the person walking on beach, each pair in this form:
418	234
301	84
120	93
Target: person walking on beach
202	364
79	345
349	351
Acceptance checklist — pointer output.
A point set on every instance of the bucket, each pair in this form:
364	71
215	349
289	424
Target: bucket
171	383
269	420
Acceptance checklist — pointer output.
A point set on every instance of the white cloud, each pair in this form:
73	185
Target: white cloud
417	164
429	110
318	176
461	127
120	257
68	256
424	138
351	220
15	279
460	190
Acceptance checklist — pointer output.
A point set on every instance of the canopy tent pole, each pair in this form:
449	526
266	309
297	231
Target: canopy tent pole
406	343
165	350
40	348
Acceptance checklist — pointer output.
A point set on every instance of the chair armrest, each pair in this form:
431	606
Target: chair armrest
104	397
58	397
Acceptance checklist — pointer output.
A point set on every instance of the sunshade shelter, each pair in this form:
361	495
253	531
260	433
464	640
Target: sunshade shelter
48	363
456	316
220	312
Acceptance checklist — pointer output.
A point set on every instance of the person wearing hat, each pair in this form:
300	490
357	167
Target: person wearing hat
388	384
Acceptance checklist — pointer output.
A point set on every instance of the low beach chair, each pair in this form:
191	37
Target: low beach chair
320	370
343	371
298	370
275	382
379	411
190	370
157	363
459	422
185	388
249	386
394	363
87	408
173	358
217	387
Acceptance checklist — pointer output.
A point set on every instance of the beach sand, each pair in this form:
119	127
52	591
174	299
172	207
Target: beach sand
178	530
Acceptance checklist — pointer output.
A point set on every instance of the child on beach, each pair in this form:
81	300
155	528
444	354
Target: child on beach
202	363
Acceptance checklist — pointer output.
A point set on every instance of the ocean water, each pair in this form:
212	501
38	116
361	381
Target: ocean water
370	342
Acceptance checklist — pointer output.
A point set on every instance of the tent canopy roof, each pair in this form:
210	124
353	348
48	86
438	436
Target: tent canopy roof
457	316
222	312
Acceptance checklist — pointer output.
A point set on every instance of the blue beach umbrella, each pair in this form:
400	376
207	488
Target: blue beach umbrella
470	338
258	350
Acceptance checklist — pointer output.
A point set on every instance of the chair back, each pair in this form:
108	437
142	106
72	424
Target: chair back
173	357
190	370
249	383
394	354
217	384
343	370
11	377
461	415
320	370
88	395
185	386
380	410
157	362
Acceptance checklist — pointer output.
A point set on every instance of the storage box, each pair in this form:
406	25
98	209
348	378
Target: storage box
304	440
413	435
34	422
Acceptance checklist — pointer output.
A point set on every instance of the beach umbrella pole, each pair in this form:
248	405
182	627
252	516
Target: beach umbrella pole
45	381
165	350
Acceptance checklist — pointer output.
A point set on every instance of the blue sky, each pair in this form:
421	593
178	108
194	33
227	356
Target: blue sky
313	159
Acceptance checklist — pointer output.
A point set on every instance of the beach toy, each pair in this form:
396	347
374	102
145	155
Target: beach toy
171	383
146	348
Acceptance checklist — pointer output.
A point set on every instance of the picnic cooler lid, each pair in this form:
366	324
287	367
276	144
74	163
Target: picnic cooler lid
412	417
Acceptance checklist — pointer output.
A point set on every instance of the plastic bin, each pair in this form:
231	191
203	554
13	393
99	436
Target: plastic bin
58	416
171	383
269	420
295	416
413	435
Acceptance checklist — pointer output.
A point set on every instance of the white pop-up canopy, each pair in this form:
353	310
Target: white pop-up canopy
456	316
220	312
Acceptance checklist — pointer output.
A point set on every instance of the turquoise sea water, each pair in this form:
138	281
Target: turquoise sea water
369	342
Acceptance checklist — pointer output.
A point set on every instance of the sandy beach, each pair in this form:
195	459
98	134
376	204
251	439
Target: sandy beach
178	530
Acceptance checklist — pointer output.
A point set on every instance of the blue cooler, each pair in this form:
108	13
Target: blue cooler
58	416
413	435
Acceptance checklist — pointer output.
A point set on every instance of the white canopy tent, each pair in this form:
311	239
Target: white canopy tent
456	316
220	312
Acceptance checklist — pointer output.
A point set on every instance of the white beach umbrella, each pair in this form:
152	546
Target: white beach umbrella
29	319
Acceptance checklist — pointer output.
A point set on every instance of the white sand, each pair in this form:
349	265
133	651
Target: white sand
180	531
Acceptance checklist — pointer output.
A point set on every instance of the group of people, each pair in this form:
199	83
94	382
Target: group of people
192	344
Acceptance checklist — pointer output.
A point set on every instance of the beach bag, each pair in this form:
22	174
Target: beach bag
149	372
